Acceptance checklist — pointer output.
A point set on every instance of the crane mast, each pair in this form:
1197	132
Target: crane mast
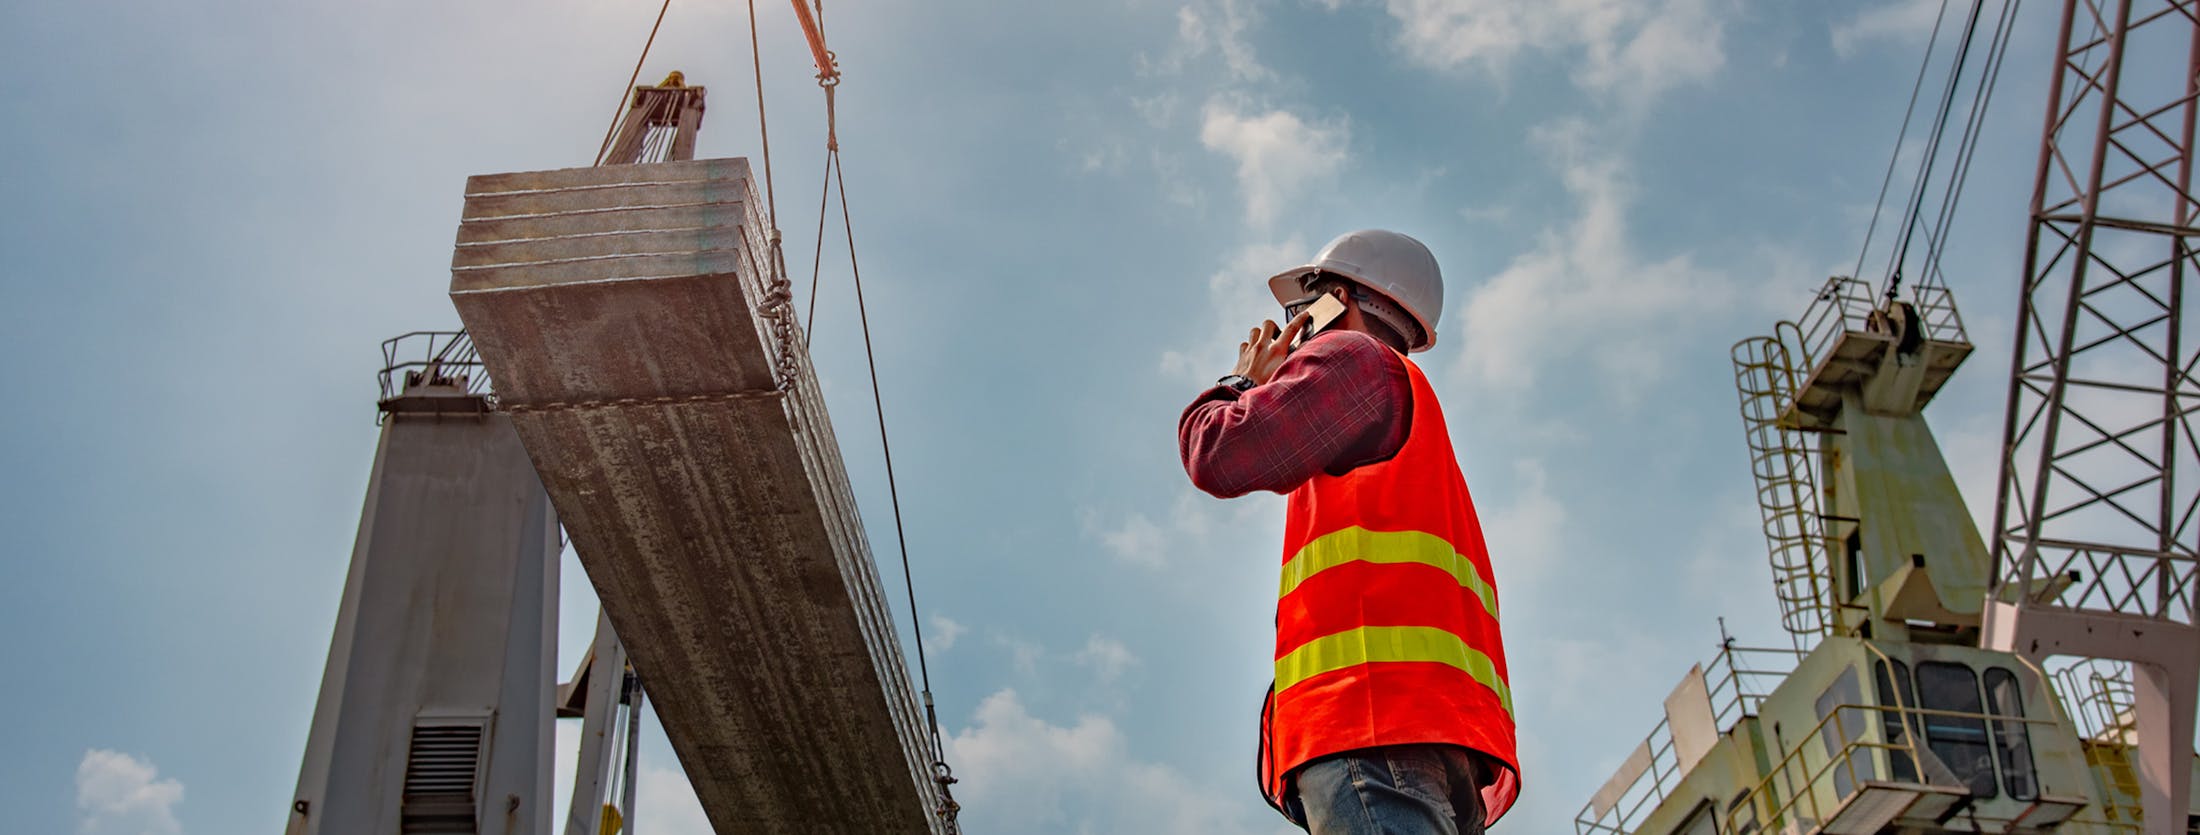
2100	475
436	717
1918	696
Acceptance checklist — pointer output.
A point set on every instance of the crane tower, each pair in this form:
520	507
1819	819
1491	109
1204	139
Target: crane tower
2096	534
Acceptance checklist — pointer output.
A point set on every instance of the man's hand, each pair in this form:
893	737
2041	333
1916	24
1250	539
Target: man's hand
1264	348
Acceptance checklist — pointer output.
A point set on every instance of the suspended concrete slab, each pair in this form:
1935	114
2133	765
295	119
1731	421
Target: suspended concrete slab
623	315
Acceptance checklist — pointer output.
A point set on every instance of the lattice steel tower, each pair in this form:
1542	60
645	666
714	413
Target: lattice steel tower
2095	534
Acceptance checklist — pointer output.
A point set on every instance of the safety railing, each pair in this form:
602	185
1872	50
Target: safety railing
1619	813
1816	779
1936	311
441	358
1741	678
1843	304
1846	304
2098	696
1738	680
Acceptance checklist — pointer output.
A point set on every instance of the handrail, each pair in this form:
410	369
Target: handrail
1639	797
1811	741
1846	304
1843	304
2098	695
445	358
448	356
1736	680
1738	687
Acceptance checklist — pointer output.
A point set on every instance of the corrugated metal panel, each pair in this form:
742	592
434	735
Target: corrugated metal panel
620	311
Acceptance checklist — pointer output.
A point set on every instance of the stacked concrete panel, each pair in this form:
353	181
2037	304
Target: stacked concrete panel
622	312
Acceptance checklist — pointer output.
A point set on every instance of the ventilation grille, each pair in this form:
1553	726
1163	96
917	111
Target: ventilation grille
442	769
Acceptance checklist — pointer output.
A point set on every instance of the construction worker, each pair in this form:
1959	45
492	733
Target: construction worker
1391	710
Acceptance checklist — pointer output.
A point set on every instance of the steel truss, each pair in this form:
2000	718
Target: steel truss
2098	516
2100	473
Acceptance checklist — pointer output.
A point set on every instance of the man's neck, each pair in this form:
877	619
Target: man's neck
1354	320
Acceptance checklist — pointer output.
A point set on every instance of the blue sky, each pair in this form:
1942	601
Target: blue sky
212	213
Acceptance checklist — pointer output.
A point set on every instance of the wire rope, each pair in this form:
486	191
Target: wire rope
1967	148
836	181
1901	134
763	128
817	259
1920	184
628	90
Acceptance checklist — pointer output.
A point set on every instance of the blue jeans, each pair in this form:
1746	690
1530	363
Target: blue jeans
1395	790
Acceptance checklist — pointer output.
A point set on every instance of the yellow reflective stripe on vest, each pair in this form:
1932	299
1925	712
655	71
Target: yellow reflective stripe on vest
1358	544
1377	644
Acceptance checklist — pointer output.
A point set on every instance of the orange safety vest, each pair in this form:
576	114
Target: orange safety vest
1386	620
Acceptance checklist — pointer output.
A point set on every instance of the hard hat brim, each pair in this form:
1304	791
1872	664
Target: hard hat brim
1285	285
1286	288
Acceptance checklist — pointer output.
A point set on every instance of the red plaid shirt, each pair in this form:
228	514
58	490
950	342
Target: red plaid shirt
1341	400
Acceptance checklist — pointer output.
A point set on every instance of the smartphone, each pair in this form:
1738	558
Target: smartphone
1324	311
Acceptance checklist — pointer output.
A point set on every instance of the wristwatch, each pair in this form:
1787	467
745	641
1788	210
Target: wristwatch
1236	381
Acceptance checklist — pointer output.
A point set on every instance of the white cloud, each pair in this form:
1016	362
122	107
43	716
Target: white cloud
1159	109
1629	49
1178	187
1237	300
945	631
1899	20
1107	658
1279	154
1523	534
1216	27
1184	535
1023	653
1583	289
1137	540
1021	773
119	794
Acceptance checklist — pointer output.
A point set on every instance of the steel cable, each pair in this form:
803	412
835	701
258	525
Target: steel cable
635	76
1919	185
1967	147
1894	157
836	180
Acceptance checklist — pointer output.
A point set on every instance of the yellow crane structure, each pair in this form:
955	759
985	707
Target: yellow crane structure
1928	686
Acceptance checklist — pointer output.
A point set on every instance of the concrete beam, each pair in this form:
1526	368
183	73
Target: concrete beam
619	310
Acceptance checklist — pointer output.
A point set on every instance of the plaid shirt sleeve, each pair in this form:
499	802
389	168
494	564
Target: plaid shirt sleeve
1340	401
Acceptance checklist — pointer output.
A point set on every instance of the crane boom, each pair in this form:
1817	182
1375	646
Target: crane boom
2100	475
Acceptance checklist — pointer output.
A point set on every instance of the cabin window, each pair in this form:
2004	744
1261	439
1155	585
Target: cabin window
1959	741
1852	556
1836	734
2011	741
1703	821
1896	696
1742	814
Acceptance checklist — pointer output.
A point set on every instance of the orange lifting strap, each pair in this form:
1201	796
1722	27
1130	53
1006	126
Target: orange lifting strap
828	71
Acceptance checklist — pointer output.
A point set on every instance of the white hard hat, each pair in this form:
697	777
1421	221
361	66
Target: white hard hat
1389	263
